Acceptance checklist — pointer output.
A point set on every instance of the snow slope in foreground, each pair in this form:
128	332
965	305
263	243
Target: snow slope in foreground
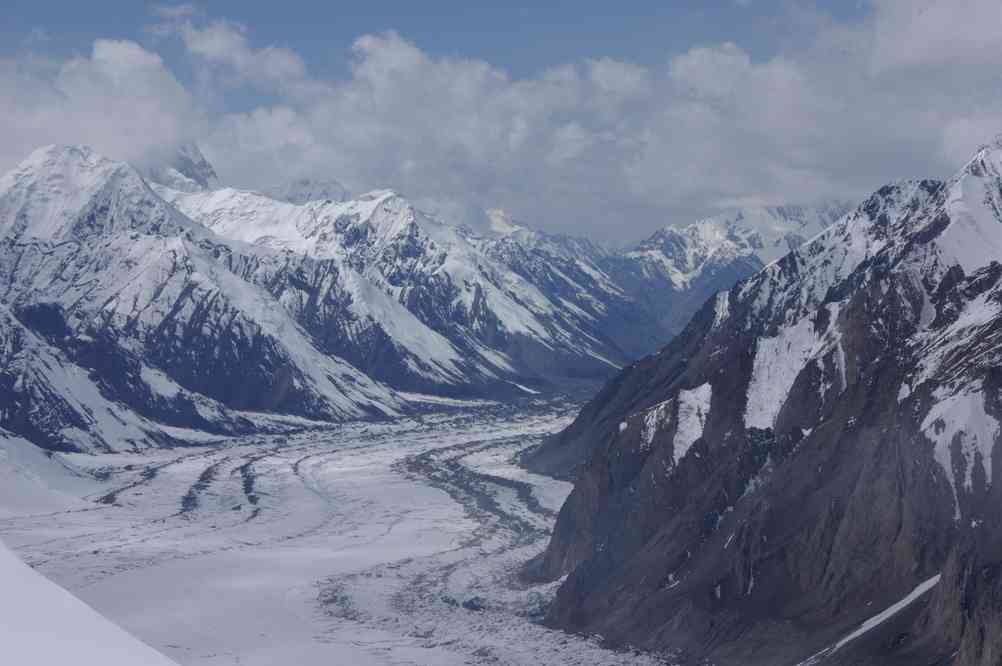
41	623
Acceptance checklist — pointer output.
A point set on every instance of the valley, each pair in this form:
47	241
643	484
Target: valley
367	543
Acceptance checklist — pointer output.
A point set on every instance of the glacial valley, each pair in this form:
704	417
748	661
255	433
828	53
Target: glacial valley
370	543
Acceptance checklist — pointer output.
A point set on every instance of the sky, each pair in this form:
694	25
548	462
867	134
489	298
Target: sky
593	118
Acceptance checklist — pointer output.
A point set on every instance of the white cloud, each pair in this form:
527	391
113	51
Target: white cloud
937	33
592	146
121	99
583	145
712	72
224	44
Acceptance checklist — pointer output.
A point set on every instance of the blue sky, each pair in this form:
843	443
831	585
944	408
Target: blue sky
519	36
583	117
523	38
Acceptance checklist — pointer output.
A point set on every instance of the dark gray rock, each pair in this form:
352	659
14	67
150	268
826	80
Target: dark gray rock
829	487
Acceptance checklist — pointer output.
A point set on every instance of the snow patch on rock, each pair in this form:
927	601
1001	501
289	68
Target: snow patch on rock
654	420
721	308
962	416
693	409
778	362
875	621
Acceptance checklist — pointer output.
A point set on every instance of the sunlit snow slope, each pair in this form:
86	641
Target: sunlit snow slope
41	623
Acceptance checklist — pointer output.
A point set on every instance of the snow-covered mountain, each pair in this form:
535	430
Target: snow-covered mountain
151	307
676	269
807	473
509	298
773	231
474	308
582	277
682	254
665	277
123	319
125	323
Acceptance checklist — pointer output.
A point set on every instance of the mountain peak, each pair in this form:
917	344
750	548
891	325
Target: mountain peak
767	232
51	194
191	163
987	158
186	170
56	156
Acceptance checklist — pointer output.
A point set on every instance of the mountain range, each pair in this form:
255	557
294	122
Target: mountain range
156	306
792	460
806	474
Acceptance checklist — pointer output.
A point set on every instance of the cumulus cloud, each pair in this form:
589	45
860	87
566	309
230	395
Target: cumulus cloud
121	99
224	44
933	33
593	146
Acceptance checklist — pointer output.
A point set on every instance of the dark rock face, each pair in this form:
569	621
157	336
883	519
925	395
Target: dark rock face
814	446
33	409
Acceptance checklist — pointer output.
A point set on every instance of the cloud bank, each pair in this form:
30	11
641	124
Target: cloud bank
600	147
121	98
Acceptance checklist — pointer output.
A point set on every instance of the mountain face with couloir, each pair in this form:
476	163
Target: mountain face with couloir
154	307
807	473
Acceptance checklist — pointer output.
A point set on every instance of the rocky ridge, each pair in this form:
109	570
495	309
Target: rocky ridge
814	448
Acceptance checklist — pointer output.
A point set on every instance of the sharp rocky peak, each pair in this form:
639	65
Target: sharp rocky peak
190	162
185	169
